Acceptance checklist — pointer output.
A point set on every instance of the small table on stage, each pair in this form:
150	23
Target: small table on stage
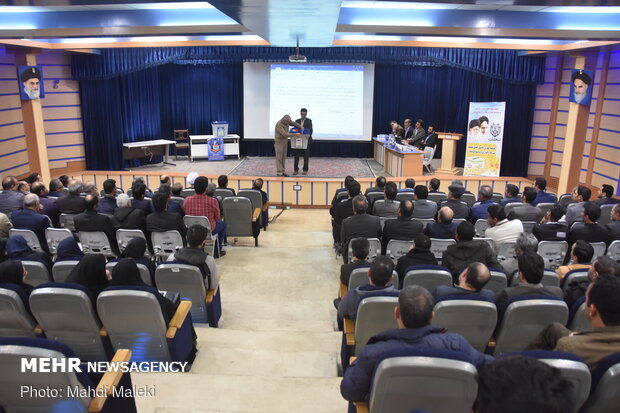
199	146
399	161
146	149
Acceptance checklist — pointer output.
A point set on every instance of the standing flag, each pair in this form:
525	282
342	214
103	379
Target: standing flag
485	135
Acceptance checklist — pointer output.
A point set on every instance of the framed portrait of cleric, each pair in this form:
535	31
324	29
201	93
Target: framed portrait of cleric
30	79
581	82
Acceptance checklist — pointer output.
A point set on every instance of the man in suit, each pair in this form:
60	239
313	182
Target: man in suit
531	270
48	205
56	188
10	198
527	211
388	208
337	197
423	208
550	229
344	209
613	228
359	225
281	142
471	281
419	254
460	208
578	258
162	220
403	228
90	220
605	196
601	266
429	140
510	195
409	185
433	186
397	130
307	125
360	248
418	133
540	184
107	204
222	183
480	208
139	201
380	182
173	206
127	217
500	228
589	231
30	218
72	203
408	129
581	194
444	228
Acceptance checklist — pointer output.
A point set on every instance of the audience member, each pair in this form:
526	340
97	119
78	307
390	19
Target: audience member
194	254
379	285
72	203
409	185
419	254
360	248
467	250
222	183
91	273
162	220
500	228
64	180
203	204
31	219
380	182
480	208
23	187
581	194
445	227
460	208
107	204
17	249
56	188
126	216
345	187
510	195
433	186
359	225
14	272
91	221
48	205
136	250
613	228
177	190
605	196
402	228
471	281
10	199
526	243
344	209
550	227
5	225
172	206
3	254
90	189
540	184
413	315
602	266
589	230
581	254
423	208
165	180
526	211
257	185
389	207
140	181
517	384
531	270
191	177
139	201
68	250
34	177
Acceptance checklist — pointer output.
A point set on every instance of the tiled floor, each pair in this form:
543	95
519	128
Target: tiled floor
276	349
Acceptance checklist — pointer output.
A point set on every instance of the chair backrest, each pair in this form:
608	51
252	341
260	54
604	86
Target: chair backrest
67	315
599	249
188	192
510	206
359	277
374	196
53	236
62	269
145	274
565	200
424	221
374	315
488	241
525	317
396	249
12	379
187	280
552	252
178	199
254	196
481	226
550	279
134	320
223	193
496	197
427	276
430	384
574	275
614	250
605	217
475	320
95	242
528	226
238	216
404	196
374	251
545	206
166	243
429	154
498	280
123	236
605	393
382	220
14	319
506	256
31	238
438	246
580	321
37	273
469	199
66	221
437	196
181	136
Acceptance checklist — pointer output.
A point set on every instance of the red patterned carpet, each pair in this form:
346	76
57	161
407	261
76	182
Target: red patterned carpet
319	167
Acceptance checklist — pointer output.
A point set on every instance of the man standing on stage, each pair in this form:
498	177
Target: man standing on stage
306	123
281	142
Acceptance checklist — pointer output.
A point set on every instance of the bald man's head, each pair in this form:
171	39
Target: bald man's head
446	215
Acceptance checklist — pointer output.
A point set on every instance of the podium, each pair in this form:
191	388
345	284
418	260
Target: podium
448	153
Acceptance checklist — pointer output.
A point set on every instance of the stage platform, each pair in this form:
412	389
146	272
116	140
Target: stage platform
299	191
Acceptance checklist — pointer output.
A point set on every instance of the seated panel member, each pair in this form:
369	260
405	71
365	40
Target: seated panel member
418	133
402	228
408	129
429	140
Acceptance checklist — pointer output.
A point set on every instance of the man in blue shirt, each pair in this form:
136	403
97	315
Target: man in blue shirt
479	210
511	195
107	204
540	184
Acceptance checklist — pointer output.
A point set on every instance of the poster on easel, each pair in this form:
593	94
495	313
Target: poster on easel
485	134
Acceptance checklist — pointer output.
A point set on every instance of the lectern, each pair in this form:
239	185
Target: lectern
448	152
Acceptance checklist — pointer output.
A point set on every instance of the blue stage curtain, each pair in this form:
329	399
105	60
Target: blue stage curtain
441	96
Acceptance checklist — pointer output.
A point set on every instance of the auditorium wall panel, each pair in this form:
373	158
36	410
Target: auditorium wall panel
10	101
10	85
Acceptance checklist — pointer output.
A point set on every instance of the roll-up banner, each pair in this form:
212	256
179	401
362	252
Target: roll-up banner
485	135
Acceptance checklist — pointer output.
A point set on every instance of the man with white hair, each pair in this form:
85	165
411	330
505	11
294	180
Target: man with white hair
126	216
30	218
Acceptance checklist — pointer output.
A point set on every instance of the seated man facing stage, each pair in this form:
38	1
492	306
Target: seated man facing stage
510	195
409	185
460	208
194	254
445	227
107	204
605	196
72	203
359	225
207	206
90	220
126	216
424	209
162	220
306	123
419	254
380	182
402	227
540	184
31	218
471	281
388	208
257	185
139	201
281	142
222	183
344	209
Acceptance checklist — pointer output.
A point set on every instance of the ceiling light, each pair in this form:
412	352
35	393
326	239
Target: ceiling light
395	5
173	6
581	10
